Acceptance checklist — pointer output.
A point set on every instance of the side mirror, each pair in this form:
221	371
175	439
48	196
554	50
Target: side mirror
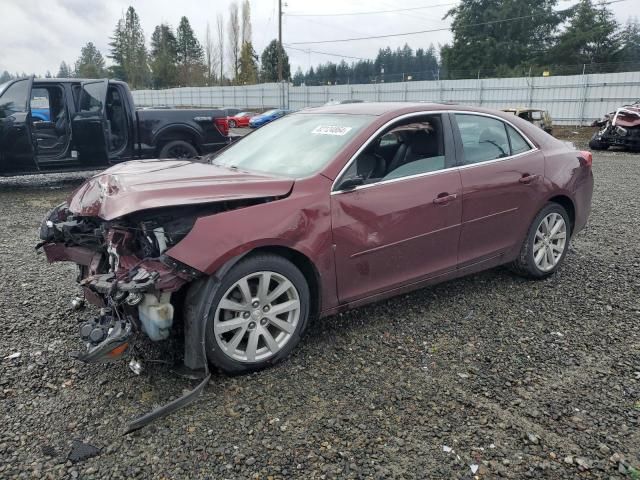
351	182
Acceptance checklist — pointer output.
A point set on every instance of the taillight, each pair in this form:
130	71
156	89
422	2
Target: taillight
587	157
223	126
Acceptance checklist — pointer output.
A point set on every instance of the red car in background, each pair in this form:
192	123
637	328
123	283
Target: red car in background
323	210
241	119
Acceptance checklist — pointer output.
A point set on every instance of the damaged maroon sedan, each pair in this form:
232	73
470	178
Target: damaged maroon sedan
323	210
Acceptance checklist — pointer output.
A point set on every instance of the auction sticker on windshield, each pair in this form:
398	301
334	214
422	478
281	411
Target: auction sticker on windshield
331	130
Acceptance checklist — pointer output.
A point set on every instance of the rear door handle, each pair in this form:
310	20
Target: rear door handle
444	198
527	178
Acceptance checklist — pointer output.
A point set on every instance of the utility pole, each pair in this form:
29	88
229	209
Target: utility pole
280	48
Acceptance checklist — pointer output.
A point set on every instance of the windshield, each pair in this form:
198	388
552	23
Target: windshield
268	112
294	146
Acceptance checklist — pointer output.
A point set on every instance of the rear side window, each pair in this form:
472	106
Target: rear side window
92	97
518	143
483	138
14	99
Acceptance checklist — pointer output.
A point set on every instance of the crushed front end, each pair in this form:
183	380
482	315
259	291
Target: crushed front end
620	128
124	271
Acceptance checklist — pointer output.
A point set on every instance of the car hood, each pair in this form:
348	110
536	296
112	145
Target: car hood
144	184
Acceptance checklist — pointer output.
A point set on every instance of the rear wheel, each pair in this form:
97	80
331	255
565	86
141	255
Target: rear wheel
232	124
258	314
546	243
178	149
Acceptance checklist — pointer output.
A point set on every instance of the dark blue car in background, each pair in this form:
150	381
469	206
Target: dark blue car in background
266	117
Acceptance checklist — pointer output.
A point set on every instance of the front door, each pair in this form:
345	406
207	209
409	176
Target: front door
502	177
16	143
90	128
402	223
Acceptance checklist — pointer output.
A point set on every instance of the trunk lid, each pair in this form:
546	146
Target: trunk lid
145	184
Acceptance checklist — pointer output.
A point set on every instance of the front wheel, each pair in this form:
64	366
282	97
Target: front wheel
258	314
232	124
546	243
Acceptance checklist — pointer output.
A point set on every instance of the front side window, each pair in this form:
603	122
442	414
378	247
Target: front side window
294	146
92	96
14	98
483	138
410	147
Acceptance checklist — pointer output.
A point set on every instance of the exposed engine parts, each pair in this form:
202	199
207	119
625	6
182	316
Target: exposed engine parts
123	270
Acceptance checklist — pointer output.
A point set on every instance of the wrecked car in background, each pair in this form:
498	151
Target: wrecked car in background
620	128
364	202
539	118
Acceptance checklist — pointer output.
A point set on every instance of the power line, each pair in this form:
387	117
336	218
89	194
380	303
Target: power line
367	13
442	29
323	53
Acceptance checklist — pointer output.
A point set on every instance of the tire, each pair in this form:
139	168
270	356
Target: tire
232	124
526	264
178	149
595	144
226	327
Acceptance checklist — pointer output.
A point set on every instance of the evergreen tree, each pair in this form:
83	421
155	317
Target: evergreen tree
64	71
630	42
5	77
128	51
590	36
482	40
269	59
91	63
190	56
298	78
248	74
164	57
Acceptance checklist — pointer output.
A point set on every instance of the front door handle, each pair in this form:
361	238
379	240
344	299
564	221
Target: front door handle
444	198
527	178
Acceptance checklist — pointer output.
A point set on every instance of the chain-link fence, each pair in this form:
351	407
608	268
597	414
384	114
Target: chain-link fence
570	99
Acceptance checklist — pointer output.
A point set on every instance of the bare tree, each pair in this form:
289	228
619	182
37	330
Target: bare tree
246	22
220	21
234	38
211	55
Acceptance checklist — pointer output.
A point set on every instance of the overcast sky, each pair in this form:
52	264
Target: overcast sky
37	35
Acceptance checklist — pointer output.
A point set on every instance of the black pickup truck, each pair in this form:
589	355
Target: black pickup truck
53	125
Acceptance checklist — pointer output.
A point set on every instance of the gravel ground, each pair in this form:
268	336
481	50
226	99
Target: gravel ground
490	375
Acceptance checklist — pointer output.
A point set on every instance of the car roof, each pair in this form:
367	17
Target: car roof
523	110
74	80
393	108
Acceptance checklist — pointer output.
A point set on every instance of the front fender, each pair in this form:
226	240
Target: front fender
300	222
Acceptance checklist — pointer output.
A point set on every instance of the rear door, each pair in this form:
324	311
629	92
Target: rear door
90	128
16	143
502	186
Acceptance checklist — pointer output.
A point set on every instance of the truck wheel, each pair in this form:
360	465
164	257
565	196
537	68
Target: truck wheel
596	144
178	149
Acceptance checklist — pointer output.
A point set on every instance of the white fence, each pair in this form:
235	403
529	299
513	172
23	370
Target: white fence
573	99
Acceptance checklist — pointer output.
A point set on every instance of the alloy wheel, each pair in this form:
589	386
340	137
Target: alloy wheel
257	316
550	241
